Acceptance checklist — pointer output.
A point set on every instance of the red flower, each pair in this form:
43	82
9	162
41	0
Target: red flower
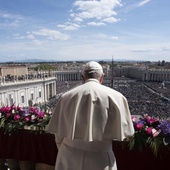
17	117
138	126
13	107
40	114
149	130
7	109
27	119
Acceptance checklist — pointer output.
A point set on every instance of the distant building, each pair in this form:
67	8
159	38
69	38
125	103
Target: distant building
13	70
17	86
37	90
143	74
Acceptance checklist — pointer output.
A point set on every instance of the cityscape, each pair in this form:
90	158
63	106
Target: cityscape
130	78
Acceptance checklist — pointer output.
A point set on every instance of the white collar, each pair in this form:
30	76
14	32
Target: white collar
92	79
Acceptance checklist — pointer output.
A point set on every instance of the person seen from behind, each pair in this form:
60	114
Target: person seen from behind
86	120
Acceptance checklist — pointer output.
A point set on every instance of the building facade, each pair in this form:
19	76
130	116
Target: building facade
13	70
39	87
143	74
21	92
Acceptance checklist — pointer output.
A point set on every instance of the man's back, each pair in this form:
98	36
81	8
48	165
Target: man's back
86	120
92	112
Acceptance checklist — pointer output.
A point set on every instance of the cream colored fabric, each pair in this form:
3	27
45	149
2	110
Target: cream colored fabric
80	155
94	146
90	112
96	112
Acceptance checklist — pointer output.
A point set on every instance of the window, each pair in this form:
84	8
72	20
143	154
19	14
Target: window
39	95
11	100
22	99
32	96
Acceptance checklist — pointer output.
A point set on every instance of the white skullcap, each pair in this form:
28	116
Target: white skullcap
93	66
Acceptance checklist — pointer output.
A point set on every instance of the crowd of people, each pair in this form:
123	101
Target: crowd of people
143	97
62	87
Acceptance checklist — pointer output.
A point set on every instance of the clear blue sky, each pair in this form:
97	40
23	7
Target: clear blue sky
84	29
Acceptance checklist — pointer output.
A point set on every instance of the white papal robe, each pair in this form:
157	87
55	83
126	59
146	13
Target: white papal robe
85	121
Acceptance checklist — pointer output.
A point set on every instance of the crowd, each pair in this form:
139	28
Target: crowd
62	87
143	98
162	88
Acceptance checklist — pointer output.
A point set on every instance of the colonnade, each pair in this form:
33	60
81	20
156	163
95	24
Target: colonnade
72	75
157	75
144	74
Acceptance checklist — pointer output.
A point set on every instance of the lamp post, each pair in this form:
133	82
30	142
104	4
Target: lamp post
112	75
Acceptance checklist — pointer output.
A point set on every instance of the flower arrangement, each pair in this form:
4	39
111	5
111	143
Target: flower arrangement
150	131
14	117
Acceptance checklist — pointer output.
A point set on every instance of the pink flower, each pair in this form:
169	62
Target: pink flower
40	114
134	118
150	120
155	132
36	111
138	126
32	109
27	119
19	108
13	107
7	109
17	117
149	130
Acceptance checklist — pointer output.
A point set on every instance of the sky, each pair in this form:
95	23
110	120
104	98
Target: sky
71	30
